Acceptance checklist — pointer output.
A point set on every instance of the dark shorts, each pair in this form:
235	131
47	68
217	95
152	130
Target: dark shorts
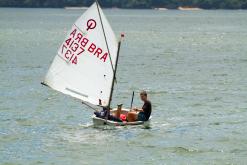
141	116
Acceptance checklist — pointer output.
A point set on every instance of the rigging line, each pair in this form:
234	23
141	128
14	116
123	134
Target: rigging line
105	36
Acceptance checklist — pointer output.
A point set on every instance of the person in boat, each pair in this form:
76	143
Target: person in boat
105	114
141	114
118	114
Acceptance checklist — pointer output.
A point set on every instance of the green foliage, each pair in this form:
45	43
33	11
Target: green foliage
172	4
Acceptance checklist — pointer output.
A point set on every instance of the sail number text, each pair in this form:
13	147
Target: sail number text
76	44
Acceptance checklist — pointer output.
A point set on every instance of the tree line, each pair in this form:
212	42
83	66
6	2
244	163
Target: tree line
170	4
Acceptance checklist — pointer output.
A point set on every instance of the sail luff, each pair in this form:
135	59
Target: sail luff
103	29
114	69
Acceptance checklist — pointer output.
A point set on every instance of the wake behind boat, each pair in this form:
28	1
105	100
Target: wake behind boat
86	64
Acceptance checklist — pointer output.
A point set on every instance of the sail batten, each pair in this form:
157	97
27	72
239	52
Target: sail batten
83	65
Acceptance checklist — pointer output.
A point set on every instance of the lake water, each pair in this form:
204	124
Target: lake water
192	63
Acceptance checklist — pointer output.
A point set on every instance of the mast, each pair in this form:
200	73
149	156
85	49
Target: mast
114	74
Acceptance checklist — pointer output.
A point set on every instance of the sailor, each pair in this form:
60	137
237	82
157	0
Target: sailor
105	113
141	114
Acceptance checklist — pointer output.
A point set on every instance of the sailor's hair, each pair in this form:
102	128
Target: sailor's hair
143	93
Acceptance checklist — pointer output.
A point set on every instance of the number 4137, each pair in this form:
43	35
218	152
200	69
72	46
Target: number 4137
72	51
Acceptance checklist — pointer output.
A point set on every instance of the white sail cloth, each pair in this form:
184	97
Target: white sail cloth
82	67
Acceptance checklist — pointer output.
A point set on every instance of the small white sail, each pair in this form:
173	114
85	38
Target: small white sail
82	67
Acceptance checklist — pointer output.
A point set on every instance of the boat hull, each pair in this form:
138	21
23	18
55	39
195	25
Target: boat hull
99	121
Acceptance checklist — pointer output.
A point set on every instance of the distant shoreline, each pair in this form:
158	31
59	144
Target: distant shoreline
159	9
127	4
75	8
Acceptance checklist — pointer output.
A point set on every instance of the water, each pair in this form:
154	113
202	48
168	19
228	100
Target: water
192	63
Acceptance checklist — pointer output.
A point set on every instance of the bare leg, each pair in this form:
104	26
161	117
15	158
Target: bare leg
118	112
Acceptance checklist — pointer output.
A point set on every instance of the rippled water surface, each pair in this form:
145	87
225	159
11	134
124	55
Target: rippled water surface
192	63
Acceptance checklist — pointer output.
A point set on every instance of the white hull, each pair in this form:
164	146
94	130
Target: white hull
99	121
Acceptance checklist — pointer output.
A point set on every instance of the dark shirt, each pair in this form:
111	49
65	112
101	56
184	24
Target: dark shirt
147	109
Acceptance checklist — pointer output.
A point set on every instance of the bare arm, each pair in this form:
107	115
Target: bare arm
138	109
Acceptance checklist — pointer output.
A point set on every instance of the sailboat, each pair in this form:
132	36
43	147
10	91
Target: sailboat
85	65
